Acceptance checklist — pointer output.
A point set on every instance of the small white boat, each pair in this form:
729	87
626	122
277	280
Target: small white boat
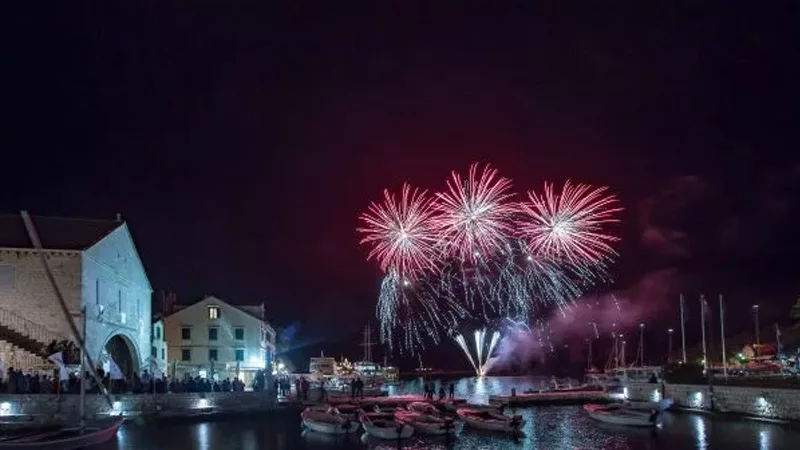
348	411
426	423
383	426
422	407
622	416
328	422
490	420
662	405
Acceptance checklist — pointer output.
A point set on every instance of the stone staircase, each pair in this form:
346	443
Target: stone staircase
22	342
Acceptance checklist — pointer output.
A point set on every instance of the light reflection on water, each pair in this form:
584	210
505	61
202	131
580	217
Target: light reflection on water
552	428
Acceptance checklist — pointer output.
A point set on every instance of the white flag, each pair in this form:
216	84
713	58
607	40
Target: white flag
155	371
58	359
113	370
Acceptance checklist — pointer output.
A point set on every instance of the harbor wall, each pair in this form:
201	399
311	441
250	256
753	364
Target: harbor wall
44	407
770	403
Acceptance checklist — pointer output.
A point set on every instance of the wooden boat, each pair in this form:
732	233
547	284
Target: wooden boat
348	411
383	426
64	438
328	422
490	420
617	415
426	423
389	409
422	407
662	405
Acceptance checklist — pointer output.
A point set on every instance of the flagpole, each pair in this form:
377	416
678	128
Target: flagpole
722	332
683	332
703	330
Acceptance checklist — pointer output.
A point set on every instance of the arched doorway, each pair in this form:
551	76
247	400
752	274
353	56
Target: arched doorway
121	350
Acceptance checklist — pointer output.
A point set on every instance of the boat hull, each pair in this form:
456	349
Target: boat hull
622	416
426	424
491	421
62	440
327	423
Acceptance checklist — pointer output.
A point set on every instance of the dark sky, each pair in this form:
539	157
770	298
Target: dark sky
241	141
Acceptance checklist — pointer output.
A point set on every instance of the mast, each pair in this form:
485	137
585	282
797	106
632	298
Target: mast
83	368
703	330
640	356
683	332
722	333
37	244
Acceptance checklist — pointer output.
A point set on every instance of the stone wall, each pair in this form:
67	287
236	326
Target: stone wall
31	296
759	402
44	407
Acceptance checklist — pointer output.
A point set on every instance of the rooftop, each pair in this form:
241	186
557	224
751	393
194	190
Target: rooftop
56	233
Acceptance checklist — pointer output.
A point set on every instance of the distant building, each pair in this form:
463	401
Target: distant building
96	265
214	339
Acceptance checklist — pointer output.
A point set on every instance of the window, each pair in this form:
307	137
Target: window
186	354
119	299
8	276
97	291
213	312
162	353
240	354
153	352
186	333
238	333
158	332
212	334
212	354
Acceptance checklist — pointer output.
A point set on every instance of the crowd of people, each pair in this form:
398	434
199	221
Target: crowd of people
17	382
430	391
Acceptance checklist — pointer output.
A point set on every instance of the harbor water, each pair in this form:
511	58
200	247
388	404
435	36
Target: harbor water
552	427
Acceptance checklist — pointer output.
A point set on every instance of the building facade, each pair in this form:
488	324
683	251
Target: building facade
97	267
158	348
213	339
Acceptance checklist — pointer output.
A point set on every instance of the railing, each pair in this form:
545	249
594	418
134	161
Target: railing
29	329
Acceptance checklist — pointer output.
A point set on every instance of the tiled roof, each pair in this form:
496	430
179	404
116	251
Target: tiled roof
56	233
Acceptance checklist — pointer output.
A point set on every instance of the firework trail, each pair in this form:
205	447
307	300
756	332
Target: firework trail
473	214
569	226
401	233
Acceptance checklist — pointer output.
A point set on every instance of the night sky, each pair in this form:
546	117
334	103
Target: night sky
242	142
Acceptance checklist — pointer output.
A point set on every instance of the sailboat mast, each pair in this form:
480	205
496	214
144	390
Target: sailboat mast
683	333
703	330
83	367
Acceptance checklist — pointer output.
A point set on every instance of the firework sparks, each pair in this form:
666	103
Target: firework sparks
473	214
569	226
480	364
400	232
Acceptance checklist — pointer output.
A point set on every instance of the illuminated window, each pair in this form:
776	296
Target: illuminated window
238	334
186	333
240	354
213	312
212	334
186	354
212	354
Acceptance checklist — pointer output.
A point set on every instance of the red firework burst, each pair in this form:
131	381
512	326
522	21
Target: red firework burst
474	213
569	226
401	232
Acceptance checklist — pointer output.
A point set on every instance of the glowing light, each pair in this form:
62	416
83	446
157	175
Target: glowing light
480	364
474	214
5	409
202	403
401	232
625	392
569	226
281	365
116	406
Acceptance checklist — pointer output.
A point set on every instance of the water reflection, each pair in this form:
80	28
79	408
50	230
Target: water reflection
553	428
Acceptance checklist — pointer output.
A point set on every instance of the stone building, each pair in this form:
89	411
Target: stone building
96	265
213	339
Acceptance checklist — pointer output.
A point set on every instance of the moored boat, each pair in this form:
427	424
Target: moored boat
384	426
661	405
422	407
490	420
64	438
328	422
617	415
426	423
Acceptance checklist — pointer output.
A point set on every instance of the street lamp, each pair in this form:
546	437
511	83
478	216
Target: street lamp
755	319
669	346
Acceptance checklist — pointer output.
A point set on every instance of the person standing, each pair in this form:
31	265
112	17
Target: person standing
452	391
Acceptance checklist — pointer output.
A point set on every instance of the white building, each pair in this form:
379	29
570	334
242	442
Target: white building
158	347
212	338
96	265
